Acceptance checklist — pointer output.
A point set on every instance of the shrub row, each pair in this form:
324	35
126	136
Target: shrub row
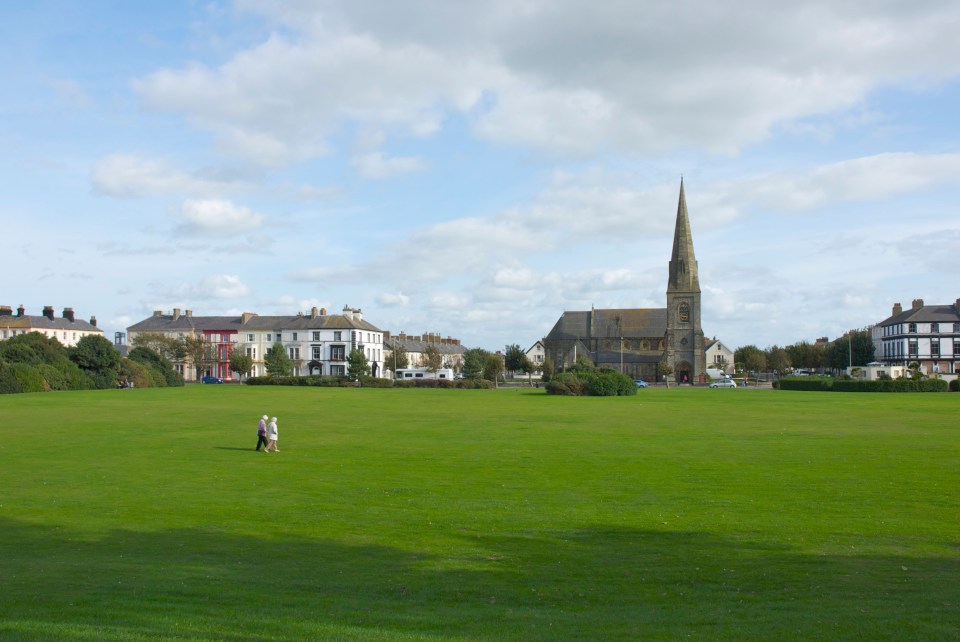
605	383
853	385
330	381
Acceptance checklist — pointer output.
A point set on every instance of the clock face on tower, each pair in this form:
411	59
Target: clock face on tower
684	312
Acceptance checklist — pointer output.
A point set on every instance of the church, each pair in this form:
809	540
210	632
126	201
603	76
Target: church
637	341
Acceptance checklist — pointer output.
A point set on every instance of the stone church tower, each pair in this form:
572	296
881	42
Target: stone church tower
684	350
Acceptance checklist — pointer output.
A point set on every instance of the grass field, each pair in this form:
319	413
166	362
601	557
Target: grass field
479	515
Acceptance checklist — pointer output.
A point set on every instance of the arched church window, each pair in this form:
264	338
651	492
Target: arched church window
684	312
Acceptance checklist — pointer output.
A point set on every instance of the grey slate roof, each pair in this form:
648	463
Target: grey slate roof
417	346
926	314
612	323
40	322
254	323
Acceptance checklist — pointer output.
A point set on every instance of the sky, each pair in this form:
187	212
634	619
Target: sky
475	169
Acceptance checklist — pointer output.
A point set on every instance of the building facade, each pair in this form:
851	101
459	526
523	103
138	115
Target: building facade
643	342
415	345
317	343
925	334
718	356
66	329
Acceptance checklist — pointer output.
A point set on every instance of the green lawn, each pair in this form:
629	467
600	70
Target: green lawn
479	515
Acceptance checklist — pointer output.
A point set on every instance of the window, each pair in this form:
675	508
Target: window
268	336
956	348
912	327
294	353
934	327
316	336
337	336
317	353
912	348
250	338
252	353
956	327
935	348
684	312
294	336
337	353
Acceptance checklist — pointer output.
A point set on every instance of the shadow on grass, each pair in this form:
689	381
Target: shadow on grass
593	583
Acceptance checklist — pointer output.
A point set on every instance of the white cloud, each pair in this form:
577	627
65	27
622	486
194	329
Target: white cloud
216	217
134	176
393	300
377	165
561	76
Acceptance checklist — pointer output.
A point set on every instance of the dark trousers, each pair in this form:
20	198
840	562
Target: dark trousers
261	441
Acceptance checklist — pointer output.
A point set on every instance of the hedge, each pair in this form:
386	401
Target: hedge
853	385
330	381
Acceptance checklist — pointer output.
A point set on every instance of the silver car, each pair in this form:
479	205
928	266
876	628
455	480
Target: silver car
724	383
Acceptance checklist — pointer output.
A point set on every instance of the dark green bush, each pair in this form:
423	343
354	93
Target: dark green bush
955	385
20	377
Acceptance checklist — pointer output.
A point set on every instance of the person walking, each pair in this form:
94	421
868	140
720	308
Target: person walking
262	432
272	436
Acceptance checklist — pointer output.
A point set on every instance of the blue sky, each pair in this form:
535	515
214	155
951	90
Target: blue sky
475	169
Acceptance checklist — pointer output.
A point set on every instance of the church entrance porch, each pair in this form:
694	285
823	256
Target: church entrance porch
683	373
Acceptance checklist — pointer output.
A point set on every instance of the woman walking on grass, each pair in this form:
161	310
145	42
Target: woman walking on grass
272	436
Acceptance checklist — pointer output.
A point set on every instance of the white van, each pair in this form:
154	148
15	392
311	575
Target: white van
420	374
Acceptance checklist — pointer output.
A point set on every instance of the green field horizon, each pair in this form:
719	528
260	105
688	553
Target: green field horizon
443	515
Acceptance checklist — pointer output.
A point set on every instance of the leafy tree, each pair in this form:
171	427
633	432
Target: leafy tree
513	358
357	364
474	362
753	358
200	354
399	358
241	363
158	364
277	362
666	370
97	356
493	367
855	348
529	367
778	359
807	355
431	358
168	347
547	368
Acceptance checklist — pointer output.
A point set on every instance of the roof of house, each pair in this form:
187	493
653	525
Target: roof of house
417	345
35	322
249	323
926	314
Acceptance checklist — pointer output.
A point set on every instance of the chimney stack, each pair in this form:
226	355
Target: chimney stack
48	311
20	310
6	311
176	313
158	313
313	312
323	312
917	304
68	314
897	309
93	321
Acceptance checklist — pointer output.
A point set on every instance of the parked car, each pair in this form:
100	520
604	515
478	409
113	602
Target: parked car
212	380
640	383
724	383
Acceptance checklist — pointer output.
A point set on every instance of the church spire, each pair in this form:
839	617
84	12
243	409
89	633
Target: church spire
683	263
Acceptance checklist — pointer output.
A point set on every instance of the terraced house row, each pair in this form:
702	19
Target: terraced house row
318	343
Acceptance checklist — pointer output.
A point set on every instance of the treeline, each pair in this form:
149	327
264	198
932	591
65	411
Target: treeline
33	362
855	346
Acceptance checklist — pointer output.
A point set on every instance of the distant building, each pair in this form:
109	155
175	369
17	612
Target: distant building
637	341
926	334
66	329
416	345
537	353
718	356
317	343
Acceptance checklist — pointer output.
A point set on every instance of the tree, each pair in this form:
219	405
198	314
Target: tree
778	359
474	362
241	363
547	368
855	348
97	356
493	367
169	347
199	352
666	370
357	364
513	358
431	358
277	362
529	367
753	358
399	358
158	364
